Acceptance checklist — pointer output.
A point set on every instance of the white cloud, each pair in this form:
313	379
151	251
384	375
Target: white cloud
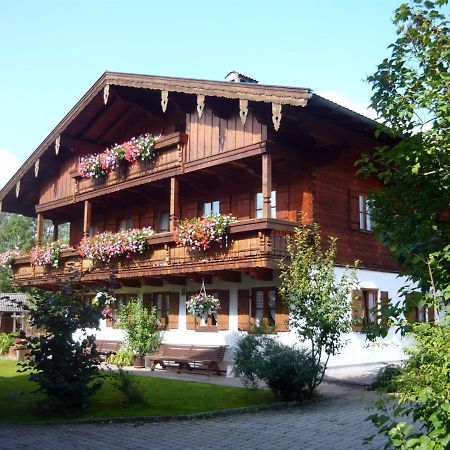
9	164
343	100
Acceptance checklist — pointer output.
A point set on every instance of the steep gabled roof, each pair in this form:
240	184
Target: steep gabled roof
253	92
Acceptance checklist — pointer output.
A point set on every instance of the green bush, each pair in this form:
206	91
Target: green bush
420	417
387	378
141	327
287	371
129	387
6	340
122	358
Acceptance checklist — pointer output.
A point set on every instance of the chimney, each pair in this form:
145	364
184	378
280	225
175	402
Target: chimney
236	77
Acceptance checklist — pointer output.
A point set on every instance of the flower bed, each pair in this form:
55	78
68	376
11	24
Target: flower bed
49	255
200	233
104	247
141	148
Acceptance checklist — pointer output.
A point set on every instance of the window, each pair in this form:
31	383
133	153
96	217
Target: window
210	208
166	305
161	303
416	311
370	306
365	221
93	230
125	224
163	221
259	202
265	306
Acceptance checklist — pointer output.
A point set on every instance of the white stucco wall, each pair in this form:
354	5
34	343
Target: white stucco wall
357	350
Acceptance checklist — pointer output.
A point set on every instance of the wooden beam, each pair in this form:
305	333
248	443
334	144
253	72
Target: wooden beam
129	283
267	183
202	277
262	274
181	281
230	275
174	203
55	231
158	282
87	218
40	229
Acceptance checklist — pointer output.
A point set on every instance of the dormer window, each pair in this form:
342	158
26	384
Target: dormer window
210	208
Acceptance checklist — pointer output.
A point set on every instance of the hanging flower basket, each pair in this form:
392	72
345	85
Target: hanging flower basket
201	305
141	148
104	247
202	232
48	255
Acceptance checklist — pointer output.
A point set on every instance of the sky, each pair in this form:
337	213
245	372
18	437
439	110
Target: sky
51	52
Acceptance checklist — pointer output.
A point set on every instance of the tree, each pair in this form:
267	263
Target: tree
65	370
320	309
411	94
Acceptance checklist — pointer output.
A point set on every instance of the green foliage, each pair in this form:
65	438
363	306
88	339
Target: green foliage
411	94
386	379
122	358
287	371
65	370
263	327
421	417
141	327
6	340
320	308
129	386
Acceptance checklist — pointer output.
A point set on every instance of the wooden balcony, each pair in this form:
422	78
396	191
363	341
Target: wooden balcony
253	245
167	162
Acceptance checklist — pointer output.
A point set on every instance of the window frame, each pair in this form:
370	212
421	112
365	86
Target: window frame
273	205
214	207
364	215
370	317
266	309
162	215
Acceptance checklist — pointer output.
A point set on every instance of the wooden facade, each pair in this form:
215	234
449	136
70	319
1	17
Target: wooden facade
219	142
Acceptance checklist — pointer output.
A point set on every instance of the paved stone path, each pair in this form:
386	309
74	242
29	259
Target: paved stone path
334	423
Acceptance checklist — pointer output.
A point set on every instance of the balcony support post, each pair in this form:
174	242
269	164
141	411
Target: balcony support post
87	218
267	184
55	231
40	229
174	202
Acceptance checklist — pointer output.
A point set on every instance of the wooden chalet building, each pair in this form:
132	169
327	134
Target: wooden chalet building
262	153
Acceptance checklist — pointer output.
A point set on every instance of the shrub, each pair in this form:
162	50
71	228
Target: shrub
140	326
128	386
65	370
287	371
122	358
6	340
386	379
420	417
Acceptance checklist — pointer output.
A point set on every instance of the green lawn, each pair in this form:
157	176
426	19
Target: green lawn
163	397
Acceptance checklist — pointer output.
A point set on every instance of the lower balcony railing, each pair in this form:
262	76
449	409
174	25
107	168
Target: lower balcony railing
252	244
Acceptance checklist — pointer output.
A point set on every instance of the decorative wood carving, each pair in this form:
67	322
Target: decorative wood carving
57	144
200	105
276	115
105	94
18	189
36	168
164	100
243	110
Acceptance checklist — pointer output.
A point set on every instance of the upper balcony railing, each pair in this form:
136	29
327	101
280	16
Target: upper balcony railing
254	244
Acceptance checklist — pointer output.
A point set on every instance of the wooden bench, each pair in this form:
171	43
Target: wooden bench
106	348
185	355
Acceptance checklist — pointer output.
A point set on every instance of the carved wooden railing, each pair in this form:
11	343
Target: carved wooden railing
252	243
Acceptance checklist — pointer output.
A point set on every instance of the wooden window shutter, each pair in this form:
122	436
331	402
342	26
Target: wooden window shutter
281	314
384	297
411	308
174	307
357	305
135	222
191	210
190	320
283	202
253	307
243	309
147	301
111	225
431	315
353	204
243	206
223	315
